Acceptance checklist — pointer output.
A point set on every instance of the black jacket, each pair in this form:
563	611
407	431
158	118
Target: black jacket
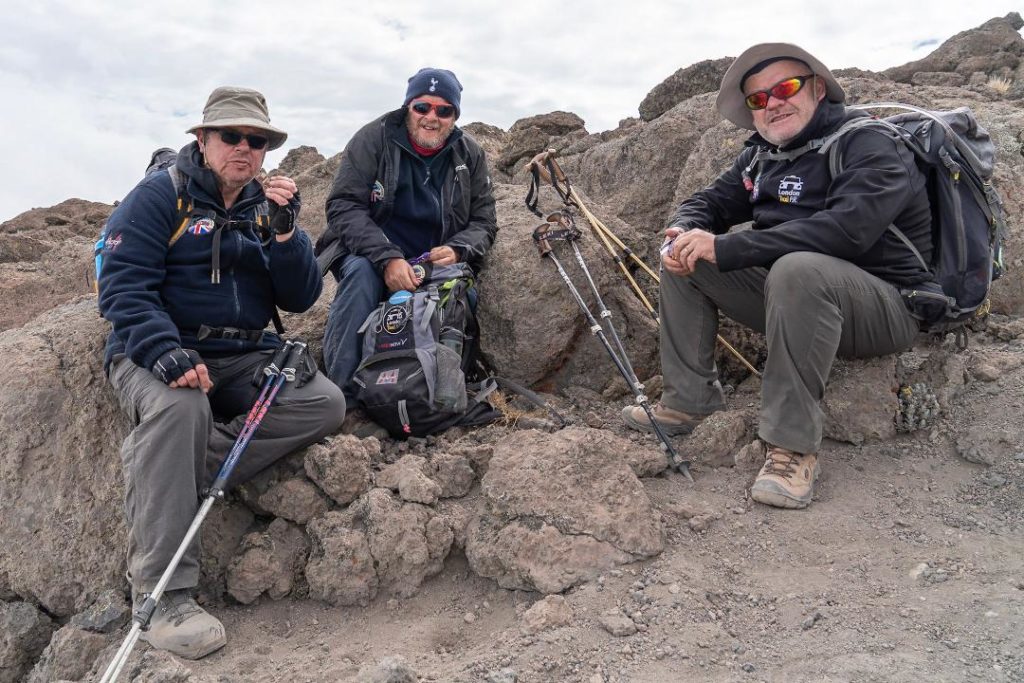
797	206
363	197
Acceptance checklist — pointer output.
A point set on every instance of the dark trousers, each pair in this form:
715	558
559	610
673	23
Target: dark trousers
811	308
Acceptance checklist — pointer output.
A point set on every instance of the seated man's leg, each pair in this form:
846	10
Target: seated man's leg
298	417
163	461
689	311
360	290
817	307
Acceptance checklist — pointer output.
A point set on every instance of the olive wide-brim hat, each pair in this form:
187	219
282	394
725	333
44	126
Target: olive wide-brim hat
730	102
233	106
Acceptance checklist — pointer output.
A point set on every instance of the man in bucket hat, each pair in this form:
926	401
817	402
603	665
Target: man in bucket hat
189	300
411	185
818	273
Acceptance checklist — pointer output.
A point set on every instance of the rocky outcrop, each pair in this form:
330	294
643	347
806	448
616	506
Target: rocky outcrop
696	79
558	509
995	48
24	633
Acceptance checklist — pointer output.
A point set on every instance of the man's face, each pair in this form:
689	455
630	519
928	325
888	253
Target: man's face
782	121
429	130
234	165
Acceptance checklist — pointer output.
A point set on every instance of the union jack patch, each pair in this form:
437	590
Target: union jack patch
201	226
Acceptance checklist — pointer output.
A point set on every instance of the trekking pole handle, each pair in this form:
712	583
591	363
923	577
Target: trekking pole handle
540	162
294	359
280	356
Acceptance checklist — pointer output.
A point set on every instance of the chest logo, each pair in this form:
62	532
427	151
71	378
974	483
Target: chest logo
395	319
201	226
790	188
377	193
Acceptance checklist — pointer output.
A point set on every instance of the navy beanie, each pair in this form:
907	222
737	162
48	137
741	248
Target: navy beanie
439	82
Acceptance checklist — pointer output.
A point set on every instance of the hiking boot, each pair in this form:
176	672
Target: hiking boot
786	480
182	627
672	422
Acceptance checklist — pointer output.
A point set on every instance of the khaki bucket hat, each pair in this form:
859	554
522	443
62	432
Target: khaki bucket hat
233	106
730	102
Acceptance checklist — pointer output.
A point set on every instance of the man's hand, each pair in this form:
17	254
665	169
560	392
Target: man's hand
443	256
280	190
398	275
688	248
182	368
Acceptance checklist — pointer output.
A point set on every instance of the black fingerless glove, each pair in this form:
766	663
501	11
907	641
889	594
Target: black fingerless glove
175	363
282	218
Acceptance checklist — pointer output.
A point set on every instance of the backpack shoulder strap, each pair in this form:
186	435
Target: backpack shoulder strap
184	203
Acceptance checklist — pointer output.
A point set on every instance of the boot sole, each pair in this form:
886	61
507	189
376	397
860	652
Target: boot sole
768	492
670	430
186	652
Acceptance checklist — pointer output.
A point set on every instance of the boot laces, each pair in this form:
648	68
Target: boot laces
782	463
179	606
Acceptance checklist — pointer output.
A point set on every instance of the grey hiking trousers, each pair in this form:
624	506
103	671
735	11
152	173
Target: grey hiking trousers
178	445
811	308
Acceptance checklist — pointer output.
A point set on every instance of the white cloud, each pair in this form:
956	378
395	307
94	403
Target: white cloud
92	88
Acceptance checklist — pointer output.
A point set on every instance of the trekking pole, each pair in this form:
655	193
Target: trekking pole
545	167
281	369
541	237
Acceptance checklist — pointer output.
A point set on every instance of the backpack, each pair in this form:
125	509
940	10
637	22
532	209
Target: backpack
419	348
166	158
957	157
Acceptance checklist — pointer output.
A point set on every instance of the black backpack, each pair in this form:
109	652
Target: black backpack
419	355
957	157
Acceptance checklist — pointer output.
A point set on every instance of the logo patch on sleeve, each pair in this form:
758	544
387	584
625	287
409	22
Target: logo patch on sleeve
388	377
201	226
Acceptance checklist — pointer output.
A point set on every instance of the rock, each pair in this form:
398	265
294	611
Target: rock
699	78
452	473
515	280
617	624
222	533
269	563
703	522
393	669
407	477
944	78
560	508
158	666
296	500
751	457
860	401
63	531
979	445
646	461
340	568
505	675
342	468
997	41
377	544
456	516
716	439
69	655
556	123
24	633
107	614
551	612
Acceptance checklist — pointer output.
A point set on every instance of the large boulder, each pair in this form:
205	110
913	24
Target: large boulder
559	509
696	79
60	469
532	329
24	633
994	48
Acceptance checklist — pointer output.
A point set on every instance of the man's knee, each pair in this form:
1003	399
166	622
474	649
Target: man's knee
798	276
358	274
180	406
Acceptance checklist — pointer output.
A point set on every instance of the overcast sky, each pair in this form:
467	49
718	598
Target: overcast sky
91	88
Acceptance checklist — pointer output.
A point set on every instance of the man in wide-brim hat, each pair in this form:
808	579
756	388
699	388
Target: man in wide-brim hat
196	260
819	273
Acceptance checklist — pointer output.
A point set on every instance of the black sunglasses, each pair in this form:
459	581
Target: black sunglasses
233	137
783	90
443	111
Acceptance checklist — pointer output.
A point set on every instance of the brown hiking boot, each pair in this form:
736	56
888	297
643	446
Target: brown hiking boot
672	422
182	627
786	480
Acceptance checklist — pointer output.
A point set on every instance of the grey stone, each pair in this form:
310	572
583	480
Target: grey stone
550	612
69	655
24	633
617	624
342	468
296	500
393	669
270	562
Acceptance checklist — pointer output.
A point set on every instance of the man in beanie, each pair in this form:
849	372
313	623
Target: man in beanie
819	272
196	259
411	183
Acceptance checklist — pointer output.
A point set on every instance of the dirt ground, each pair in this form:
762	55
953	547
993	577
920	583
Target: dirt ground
908	566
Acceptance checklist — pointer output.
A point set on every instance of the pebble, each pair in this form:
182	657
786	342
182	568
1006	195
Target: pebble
992	479
1019	456
469	617
748	667
674	589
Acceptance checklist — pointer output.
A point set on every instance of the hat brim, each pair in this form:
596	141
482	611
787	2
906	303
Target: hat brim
275	136
730	101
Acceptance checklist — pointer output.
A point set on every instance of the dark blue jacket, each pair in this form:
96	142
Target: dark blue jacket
157	297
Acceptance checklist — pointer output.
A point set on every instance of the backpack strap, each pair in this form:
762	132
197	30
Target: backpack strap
184	203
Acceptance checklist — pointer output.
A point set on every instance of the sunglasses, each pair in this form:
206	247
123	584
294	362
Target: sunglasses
782	90
443	111
233	137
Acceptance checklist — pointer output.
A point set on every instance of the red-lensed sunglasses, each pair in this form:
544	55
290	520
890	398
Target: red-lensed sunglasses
782	90
443	111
